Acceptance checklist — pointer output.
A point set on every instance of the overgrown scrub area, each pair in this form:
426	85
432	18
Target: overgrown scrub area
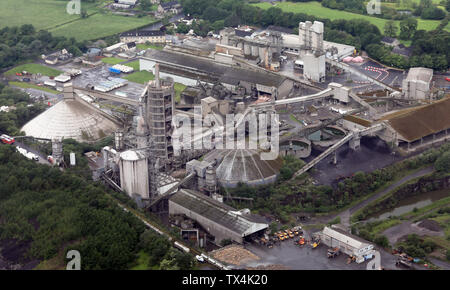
416	246
12	121
287	197
156	253
436	181
53	211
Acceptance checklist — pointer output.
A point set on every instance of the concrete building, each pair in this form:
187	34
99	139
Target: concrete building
220	220
314	67
311	36
347	243
160	107
188	69
311	50
170	7
143	36
417	84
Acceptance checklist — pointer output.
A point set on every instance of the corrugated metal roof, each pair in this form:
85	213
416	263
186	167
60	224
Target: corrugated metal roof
344	237
423	121
213	70
218	212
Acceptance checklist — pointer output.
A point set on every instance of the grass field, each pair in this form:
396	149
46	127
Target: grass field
178	89
133	64
34	69
144	46
112	60
51	15
316	9
140	77
31	86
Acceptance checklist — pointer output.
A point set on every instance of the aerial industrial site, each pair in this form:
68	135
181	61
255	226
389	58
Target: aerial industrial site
249	147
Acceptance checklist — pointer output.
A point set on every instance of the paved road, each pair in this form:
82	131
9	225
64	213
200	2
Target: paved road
345	216
441	264
42	157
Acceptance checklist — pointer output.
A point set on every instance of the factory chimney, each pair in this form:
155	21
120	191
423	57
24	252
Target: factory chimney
157	80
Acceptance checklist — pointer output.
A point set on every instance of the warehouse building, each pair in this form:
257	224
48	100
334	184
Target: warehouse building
220	220
188	69
420	126
347	243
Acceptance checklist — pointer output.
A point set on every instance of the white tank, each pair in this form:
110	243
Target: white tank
134	178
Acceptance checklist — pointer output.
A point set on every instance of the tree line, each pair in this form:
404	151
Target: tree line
25	43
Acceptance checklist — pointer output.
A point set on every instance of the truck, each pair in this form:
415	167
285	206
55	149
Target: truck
333	252
7	139
114	70
32	156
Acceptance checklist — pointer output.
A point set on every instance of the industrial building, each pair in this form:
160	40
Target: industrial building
421	125
219	219
143	36
72	117
160	96
417	84
188	69
347	243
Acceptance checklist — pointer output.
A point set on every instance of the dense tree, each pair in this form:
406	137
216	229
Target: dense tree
408	27
443	163
390	29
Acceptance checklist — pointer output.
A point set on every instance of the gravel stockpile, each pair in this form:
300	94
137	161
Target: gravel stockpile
430	225
234	254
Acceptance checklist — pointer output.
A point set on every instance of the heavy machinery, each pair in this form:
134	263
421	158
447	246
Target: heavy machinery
301	241
315	243
333	252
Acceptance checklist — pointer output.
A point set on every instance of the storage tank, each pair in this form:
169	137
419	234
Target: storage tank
247	49
134	178
255	51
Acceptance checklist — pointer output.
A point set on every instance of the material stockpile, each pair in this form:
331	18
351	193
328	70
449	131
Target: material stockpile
234	254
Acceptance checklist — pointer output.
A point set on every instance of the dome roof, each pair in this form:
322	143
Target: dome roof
242	165
71	119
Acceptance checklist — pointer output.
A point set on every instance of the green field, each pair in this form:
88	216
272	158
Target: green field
178	89
133	64
51	15
143	46
34	69
31	86
316	9
140	77
112	60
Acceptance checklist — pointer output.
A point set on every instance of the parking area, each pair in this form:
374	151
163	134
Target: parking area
304	256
